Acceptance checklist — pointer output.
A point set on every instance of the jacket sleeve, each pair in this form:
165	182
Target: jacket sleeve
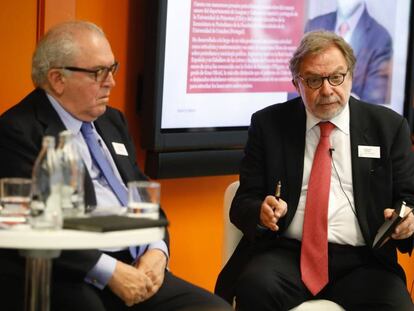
245	208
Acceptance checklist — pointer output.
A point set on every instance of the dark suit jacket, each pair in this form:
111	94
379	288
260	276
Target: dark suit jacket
275	151
21	131
372	46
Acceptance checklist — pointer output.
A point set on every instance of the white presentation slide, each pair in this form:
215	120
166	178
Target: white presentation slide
225	59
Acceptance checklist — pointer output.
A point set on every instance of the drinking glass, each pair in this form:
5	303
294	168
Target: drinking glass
15	195
144	199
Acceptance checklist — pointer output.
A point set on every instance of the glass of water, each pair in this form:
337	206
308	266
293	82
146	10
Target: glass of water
15	195
144	199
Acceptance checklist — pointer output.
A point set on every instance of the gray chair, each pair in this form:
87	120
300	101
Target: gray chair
232	236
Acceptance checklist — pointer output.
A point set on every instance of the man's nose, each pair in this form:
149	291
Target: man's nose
326	88
109	80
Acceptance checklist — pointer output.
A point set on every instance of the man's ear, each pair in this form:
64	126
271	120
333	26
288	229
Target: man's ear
56	81
295	84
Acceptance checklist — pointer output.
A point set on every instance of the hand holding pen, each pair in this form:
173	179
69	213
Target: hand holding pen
272	209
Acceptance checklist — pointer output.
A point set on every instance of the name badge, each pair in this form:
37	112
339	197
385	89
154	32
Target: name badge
369	152
120	149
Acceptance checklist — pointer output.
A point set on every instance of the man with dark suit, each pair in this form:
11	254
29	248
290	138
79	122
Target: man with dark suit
73	70
372	45
287	255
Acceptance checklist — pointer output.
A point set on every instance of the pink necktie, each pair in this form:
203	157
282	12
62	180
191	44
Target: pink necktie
314	252
343	29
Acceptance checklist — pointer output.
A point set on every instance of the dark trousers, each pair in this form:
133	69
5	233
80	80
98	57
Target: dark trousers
174	294
272	281
69	294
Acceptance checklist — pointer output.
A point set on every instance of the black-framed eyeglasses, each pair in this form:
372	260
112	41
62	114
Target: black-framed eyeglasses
315	82
100	73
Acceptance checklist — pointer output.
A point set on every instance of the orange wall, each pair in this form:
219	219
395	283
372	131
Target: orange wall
407	263
194	205
16	51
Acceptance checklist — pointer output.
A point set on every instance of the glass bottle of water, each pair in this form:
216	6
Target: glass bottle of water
72	191
46	212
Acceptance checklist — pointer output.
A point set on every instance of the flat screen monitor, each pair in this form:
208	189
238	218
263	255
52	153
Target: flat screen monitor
212	63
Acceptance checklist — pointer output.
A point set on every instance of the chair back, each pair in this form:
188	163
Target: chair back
232	235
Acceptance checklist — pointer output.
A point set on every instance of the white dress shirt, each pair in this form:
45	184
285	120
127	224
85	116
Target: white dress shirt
343	227
351	21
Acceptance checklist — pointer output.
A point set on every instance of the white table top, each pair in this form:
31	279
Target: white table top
28	239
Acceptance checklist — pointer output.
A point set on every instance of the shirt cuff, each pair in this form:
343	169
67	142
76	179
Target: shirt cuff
101	273
161	245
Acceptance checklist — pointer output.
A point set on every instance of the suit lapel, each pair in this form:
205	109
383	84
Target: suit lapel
46	115
360	168
330	22
357	40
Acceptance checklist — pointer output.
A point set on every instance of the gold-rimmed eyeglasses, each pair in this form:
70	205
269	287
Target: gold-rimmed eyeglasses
315	82
100	73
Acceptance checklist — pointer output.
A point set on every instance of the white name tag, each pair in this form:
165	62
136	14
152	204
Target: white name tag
369	152
120	149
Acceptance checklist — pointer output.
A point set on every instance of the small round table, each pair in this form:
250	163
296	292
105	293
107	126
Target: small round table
40	247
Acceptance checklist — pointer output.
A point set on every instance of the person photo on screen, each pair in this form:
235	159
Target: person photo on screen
73	70
372	45
344	165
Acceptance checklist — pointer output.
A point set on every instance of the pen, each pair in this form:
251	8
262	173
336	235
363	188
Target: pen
278	189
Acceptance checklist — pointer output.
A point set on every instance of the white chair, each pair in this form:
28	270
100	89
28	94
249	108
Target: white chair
232	236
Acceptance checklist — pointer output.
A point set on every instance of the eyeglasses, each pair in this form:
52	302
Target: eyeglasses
315	82
101	73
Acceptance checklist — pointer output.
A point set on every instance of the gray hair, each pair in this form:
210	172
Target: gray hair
58	47
316	42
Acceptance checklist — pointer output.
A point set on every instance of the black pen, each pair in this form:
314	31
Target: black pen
278	190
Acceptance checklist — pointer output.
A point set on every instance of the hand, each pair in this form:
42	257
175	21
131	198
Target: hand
405	229
153	264
130	284
271	211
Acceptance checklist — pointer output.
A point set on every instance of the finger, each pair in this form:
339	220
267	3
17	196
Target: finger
268	217
401	236
280	210
271	222
284	210
388	213
277	214
271	202
273	227
405	226
407	230
269	210
149	288
403	231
